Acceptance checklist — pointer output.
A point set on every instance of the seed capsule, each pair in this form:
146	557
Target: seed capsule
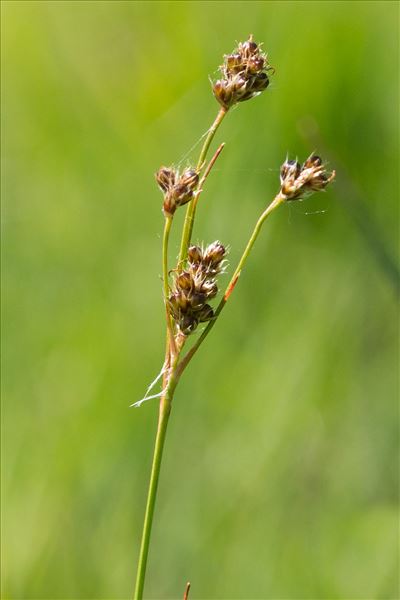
256	64
184	281
234	63
290	168
189	178
178	302
214	254
209	289
182	194
312	161
165	178
261	82
239	84
222	90
195	255
197	300
249	47
169	204
188	323
205	314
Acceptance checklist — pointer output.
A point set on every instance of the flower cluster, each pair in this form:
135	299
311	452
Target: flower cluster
298	181
177	189
244	74
195	286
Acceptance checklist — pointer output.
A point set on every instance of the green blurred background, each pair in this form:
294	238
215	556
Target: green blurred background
281	466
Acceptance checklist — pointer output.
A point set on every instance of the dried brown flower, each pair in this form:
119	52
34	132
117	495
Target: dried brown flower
299	181
177	189
195	286
244	74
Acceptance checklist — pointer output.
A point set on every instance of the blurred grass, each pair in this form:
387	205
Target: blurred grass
280	477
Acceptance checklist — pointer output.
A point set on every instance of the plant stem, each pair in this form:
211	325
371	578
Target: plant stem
191	209
170	331
231	285
206	174
164	412
211	132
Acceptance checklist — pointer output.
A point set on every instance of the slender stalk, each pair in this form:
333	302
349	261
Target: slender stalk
191	209
164	412
169	382
170	331
211	132
279	199
206	174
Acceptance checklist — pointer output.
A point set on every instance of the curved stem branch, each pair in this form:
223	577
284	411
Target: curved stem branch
231	285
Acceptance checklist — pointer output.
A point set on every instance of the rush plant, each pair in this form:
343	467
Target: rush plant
191	285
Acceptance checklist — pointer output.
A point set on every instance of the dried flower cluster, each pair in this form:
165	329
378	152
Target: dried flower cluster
195	286
298	181
244	74
177	189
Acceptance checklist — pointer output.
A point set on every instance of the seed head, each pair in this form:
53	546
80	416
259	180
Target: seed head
244	74
177	189
195	286
299	181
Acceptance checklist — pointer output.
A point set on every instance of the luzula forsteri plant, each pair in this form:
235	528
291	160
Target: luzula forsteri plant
191	285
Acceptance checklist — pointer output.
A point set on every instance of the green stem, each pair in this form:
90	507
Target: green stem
170	331
165	409
191	209
211	132
274	204
170	381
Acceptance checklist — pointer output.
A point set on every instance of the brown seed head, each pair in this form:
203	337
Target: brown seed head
177	189
195	286
244	74
299	181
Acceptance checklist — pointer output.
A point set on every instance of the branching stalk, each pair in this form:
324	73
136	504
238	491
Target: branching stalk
191	209
278	200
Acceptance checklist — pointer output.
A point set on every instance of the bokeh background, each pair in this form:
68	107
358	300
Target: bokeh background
281	465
